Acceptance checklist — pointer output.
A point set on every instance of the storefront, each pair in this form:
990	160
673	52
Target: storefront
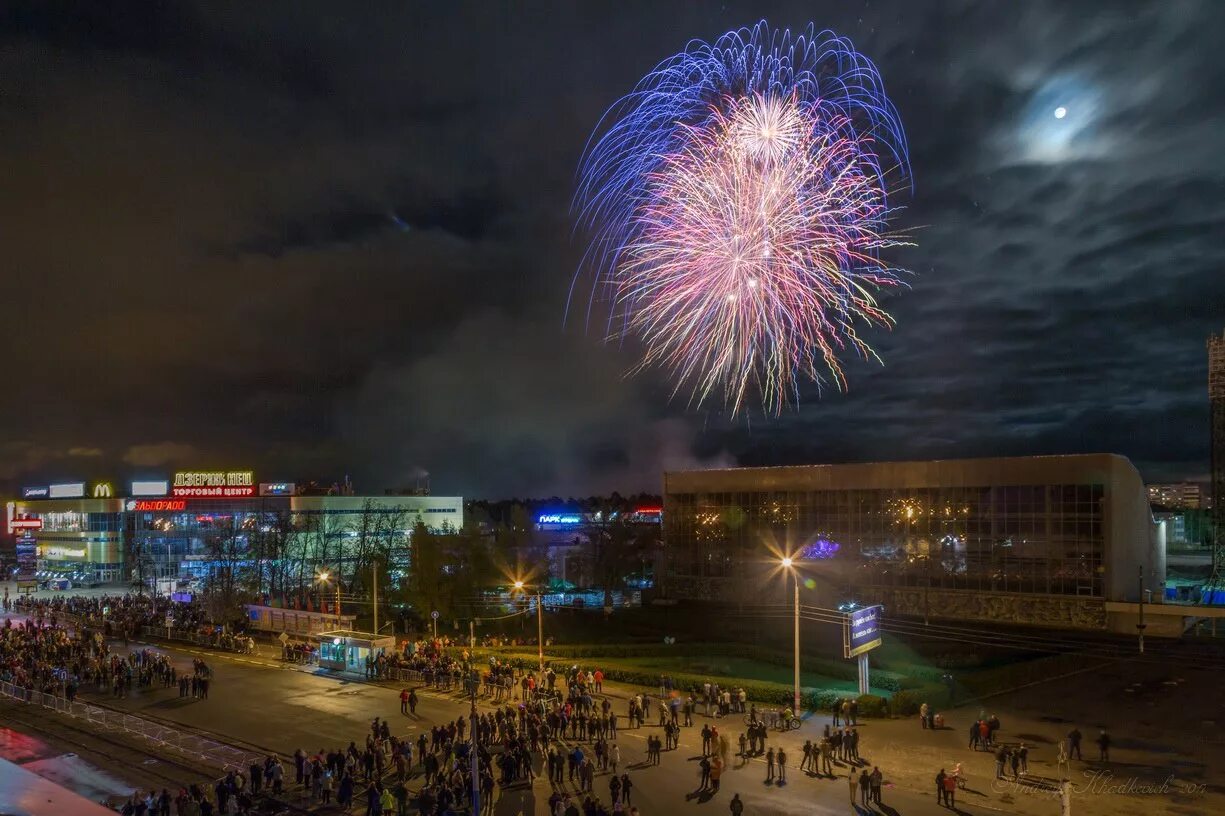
74	541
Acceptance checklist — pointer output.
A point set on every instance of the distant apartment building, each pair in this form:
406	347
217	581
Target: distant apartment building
1176	496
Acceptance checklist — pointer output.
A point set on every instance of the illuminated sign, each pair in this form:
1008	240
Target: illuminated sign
25	524
72	490
862	630
232	484
103	490
35	492
558	518
277	488
62	552
154	488
156	505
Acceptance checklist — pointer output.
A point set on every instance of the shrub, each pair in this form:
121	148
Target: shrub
872	705
905	703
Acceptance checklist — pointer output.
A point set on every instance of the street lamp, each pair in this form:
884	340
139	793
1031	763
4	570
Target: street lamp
787	565
520	586
323	577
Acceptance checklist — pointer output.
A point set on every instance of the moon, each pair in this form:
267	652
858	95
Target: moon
1061	112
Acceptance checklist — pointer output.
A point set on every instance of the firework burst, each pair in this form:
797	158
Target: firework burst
738	207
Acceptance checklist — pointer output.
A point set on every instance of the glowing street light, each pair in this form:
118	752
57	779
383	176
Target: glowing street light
520	586
324	577
787	564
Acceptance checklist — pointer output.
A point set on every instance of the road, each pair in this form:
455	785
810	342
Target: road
257	701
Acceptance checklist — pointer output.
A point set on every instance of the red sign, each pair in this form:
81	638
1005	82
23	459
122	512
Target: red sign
155	505
26	524
214	492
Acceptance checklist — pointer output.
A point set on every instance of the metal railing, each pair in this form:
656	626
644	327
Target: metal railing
194	746
189	636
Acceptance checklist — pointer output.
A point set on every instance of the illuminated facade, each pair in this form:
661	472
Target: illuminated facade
185	528
1060	527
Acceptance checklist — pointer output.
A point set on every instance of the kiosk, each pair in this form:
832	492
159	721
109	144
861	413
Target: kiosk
345	650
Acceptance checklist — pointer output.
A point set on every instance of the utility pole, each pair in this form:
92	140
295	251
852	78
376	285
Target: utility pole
540	628
796	710
374	572
1140	625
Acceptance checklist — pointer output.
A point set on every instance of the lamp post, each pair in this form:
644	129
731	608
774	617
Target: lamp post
788	565
519	585
323	579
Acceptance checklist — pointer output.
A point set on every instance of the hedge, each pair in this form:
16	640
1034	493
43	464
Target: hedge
761	692
834	669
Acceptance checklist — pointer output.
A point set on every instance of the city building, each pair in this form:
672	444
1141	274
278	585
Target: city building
1043	540
1177	496
164	530
1216	397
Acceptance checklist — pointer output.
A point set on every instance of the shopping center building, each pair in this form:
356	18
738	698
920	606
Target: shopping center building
1046	540
164	529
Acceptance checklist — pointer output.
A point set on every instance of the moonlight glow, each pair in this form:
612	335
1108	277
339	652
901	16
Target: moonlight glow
738	204
1061	112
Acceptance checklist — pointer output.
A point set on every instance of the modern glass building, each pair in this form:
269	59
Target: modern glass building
152	538
943	538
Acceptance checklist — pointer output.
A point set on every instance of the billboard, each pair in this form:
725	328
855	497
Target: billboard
214	484
153	487
862	630
40	492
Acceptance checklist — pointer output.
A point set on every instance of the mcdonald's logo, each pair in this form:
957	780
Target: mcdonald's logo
103	490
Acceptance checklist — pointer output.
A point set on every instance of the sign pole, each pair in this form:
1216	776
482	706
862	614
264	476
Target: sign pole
863	674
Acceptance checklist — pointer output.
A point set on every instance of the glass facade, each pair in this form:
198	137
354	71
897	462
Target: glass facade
1047	539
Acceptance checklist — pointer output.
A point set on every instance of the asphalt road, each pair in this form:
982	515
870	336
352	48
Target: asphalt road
260	702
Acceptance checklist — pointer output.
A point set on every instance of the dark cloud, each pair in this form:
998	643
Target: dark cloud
326	243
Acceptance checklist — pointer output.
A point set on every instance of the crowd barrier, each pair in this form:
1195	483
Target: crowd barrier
189	636
191	745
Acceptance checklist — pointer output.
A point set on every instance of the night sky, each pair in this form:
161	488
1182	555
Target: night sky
294	237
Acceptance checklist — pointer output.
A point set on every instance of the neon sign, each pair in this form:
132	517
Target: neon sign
232	483
34	492
559	518
25	524
103	490
156	505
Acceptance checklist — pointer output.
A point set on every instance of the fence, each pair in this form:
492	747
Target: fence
212	641
194	746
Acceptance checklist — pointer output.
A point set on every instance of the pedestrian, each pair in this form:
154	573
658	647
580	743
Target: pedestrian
876	779
1074	738
736	807
626	787
404	702
781	759
950	790
854	783
1023	758
1103	745
770	765
1001	757
865	787
941	797
923	716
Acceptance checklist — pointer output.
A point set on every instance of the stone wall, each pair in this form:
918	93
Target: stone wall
1032	610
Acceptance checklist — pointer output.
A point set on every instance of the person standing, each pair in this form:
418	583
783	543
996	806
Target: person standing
950	790
974	735
876	779
854	783
923	716
865	787
1074	738
770	765
781	759
404	702
736	807
1103	746
940	795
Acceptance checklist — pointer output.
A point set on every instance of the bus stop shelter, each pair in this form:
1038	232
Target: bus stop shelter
346	650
